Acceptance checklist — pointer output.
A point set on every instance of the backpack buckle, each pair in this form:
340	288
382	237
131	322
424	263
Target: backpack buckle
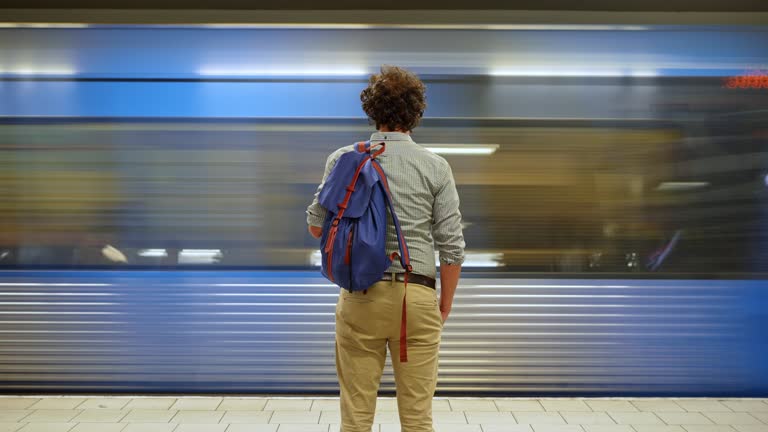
335	222
375	154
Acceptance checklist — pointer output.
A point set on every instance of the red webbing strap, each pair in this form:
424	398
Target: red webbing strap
404	325
380	151
405	260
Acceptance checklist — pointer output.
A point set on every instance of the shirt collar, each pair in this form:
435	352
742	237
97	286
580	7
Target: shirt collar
390	136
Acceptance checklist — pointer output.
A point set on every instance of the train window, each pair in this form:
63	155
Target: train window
547	197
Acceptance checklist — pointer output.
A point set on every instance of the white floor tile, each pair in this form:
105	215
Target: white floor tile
326	405
763	416
387	417
448	427
150	404
11	403
686	418
556	428
518	405
201	428
636	418
252	428
328	417
251	417
583	418
57	403
99	427
479	417
149	427
387	404
747	405
14	415
538	418
10	427
197	417
495	427
100	416
611	405
302	428
288	405
608	428
565	405
441	405
104	403
287	417
752	428
732	418
702	405
708	428
453	417
657	405
47	427
197	404
51	416
235	404
657	428
148	416
472	405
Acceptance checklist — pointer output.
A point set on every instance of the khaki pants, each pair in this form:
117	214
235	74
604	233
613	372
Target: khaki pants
365	325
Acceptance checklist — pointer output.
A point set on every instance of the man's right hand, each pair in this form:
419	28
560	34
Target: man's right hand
449	280
444	314
315	232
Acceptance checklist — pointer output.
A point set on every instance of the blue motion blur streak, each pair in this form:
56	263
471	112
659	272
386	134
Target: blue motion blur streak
235	332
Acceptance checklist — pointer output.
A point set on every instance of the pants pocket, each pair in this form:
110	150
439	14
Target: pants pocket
421	297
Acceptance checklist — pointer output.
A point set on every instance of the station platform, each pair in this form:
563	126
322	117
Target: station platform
315	414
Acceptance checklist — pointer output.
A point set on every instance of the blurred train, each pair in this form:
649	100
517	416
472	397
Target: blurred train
614	186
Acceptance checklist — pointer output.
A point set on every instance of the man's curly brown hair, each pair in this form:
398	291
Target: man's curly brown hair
394	98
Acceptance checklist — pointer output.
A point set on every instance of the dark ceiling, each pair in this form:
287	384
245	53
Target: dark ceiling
534	5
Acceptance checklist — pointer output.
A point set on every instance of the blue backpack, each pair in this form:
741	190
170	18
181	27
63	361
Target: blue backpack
353	243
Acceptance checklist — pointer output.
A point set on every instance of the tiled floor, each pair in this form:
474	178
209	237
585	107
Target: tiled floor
231	414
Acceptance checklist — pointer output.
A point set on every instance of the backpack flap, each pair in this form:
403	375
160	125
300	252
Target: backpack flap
335	188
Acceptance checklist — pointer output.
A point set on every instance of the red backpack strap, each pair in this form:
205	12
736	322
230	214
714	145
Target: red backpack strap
375	154
405	261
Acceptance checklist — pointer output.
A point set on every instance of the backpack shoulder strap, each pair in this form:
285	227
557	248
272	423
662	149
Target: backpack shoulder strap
405	258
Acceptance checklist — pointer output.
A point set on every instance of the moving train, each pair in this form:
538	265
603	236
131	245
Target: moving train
154	180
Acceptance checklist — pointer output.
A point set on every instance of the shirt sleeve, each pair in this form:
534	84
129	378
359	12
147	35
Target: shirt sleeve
315	212
446	225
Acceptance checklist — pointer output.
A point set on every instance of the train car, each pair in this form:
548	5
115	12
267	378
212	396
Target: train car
154	181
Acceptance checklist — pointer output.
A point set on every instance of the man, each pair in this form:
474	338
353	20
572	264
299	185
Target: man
427	204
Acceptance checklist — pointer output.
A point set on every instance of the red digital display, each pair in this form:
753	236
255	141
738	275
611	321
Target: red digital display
751	80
